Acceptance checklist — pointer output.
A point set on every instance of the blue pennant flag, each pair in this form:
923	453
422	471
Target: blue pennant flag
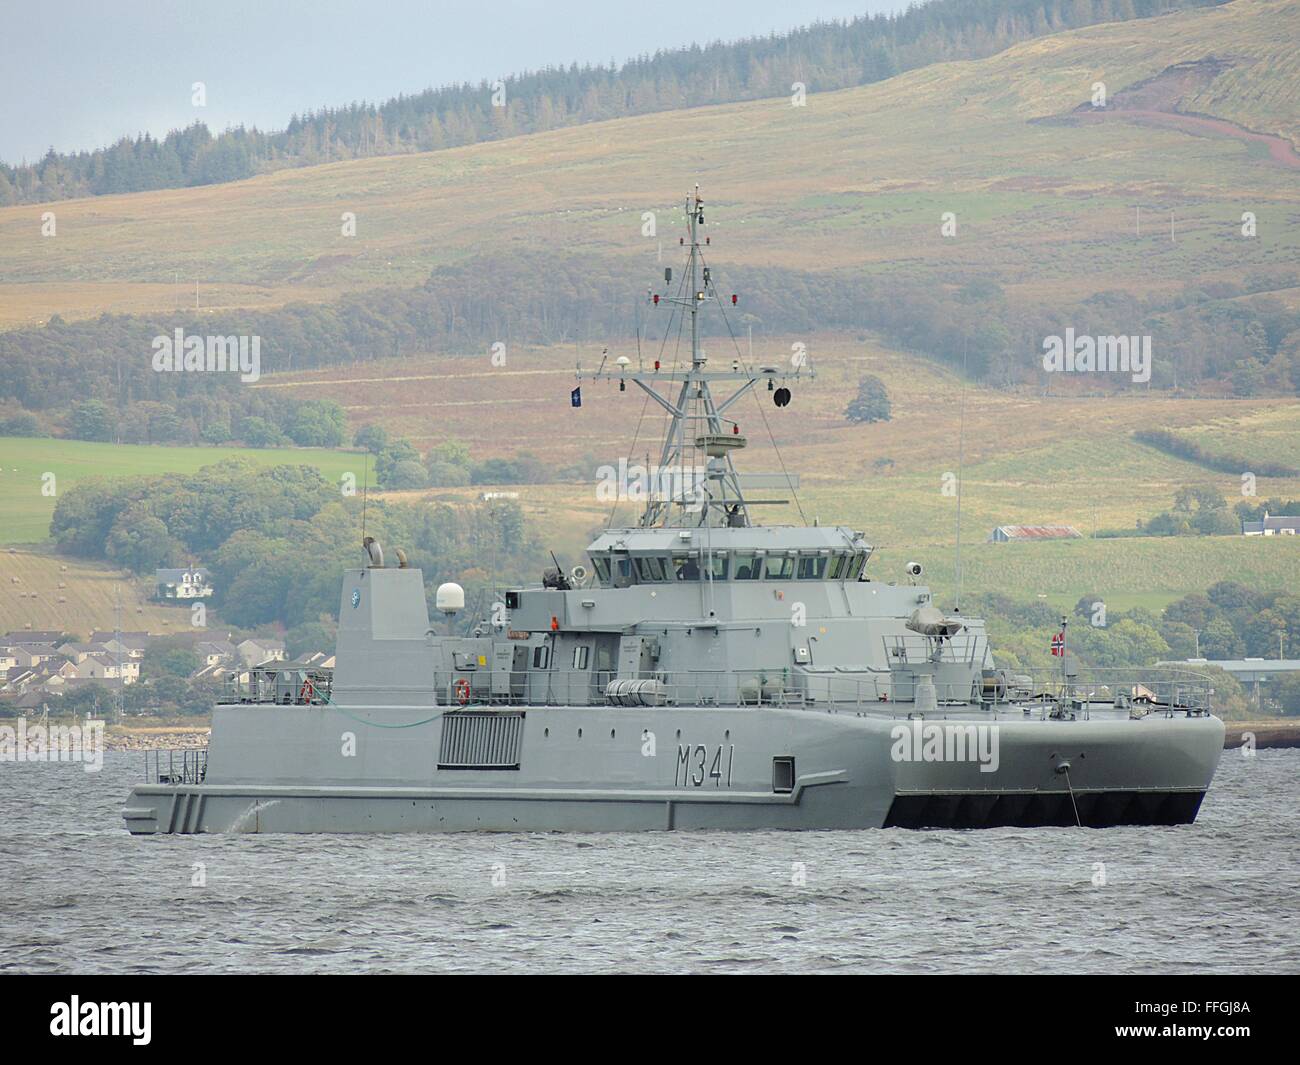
575	397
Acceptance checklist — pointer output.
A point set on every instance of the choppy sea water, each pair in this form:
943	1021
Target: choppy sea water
81	895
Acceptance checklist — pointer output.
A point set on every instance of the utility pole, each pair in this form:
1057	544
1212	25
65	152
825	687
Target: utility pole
117	651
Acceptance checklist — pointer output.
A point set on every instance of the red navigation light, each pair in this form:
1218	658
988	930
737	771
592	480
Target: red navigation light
681	240
735	428
555	623
656	365
708	240
656	298
734	297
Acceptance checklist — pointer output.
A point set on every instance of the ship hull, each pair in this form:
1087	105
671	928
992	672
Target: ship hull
615	769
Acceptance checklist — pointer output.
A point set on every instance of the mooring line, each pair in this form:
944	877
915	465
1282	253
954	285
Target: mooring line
1066	767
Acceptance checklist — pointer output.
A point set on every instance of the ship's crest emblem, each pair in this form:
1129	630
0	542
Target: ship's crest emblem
356	597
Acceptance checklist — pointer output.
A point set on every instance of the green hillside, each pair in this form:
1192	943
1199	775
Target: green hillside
857	177
25	511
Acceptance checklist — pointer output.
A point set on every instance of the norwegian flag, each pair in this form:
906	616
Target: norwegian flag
1058	644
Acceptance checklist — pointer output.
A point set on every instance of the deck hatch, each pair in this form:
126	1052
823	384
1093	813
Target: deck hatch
481	739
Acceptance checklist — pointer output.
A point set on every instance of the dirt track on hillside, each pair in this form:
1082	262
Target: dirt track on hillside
1156	101
1280	150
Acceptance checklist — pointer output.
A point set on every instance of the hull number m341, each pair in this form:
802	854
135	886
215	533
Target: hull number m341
699	765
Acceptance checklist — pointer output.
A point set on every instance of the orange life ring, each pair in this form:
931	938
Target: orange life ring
462	691
307	692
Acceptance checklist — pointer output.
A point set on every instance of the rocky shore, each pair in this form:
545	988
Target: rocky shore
1267	734
119	738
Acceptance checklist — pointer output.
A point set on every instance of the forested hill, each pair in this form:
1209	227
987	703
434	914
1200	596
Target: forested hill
822	57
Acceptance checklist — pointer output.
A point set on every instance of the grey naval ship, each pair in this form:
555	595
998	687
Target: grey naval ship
704	672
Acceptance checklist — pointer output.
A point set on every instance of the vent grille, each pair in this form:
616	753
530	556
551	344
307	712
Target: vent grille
481	740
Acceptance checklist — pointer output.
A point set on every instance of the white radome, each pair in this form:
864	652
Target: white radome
450	597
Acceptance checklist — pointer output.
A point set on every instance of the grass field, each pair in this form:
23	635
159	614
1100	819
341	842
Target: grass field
1028	459
25	511
856	178
39	590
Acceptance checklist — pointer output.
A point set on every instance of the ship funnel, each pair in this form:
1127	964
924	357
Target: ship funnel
374	551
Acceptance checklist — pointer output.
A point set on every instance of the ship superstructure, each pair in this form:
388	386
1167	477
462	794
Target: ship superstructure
705	671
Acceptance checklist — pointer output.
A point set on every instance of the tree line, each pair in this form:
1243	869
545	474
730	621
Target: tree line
823	57
1227	620
1181	447
277	540
1203	338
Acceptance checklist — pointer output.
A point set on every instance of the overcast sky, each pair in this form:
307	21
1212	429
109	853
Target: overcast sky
81	73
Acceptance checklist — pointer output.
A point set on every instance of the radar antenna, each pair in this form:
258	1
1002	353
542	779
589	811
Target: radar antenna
683	491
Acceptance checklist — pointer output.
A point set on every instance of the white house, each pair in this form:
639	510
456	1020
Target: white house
103	667
1270	526
190	583
215	652
257	652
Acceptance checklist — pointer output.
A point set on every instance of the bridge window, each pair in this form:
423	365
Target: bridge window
541	657
812	567
778	568
837	567
718	569
686	567
747	567
602	568
581	654
622	572
651	569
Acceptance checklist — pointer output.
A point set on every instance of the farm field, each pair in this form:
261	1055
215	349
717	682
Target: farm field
25	512
1028	459
857	178
40	590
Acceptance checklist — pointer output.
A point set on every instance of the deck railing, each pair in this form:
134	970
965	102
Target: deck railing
283	684
176	766
1133	691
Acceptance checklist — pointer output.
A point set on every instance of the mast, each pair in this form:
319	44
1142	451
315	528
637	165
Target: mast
694	216
695	483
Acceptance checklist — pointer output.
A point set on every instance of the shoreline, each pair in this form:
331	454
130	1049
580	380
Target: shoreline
1268	734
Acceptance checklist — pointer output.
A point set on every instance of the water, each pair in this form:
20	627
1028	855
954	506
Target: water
83	896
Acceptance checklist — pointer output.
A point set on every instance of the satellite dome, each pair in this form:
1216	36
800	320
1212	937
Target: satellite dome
450	597
622	360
